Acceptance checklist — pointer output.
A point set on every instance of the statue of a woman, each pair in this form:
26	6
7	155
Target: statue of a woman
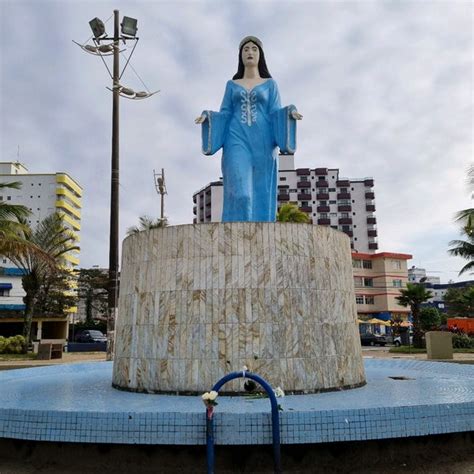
249	126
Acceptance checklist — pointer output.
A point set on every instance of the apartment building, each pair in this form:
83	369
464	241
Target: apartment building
43	194
344	204
378	279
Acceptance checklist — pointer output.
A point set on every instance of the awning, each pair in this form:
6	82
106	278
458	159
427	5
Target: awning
5	286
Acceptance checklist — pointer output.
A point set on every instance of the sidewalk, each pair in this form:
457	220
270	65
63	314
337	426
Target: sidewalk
68	358
383	353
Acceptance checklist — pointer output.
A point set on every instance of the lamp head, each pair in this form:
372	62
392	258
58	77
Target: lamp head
129	26
97	27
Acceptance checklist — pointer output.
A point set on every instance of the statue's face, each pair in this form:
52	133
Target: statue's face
250	54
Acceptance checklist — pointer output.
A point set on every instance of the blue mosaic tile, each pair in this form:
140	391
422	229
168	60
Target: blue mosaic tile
83	407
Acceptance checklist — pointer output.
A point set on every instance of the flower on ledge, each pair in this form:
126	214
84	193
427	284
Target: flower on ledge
209	399
279	393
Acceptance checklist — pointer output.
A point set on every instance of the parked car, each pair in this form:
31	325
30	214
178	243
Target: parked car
372	340
397	340
91	335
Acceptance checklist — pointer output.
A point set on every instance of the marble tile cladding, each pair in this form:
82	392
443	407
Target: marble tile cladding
198	301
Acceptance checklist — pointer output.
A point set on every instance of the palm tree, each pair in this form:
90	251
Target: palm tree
147	223
12	225
290	213
465	248
413	296
54	240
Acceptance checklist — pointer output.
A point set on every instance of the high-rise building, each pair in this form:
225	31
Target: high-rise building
43	194
418	275
345	204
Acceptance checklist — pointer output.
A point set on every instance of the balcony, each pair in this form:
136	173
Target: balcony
371	220
349	233
322	209
302	172
283	186
304	197
370	207
344	208
370	195
345	220
324	221
303	184
195	221
368	182
194	210
322	184
194	199
321	171
322	196
306	209
373	246
343	183
372	233
343	195
283	197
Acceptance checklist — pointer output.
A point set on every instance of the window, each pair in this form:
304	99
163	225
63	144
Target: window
367	264
4	292
332	202
359	299
332	190
397	283
282	178
283	191
293	190
356	263
344	214
323	203
358	282
334	227
304	203
346	228
333	214
9	198
343	190
303	178
369	282
369	300
397	264
323	215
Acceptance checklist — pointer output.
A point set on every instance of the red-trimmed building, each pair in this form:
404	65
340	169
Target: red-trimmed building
378	278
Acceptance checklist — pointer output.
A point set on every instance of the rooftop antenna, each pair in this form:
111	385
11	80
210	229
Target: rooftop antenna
160	187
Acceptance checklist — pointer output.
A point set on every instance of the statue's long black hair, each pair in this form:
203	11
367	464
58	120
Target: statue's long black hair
262	65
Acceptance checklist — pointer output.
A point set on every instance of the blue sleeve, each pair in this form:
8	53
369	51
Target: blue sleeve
214	129
284	125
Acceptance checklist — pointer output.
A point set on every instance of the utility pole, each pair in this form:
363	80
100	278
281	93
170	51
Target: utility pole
114	198
112	47
160	187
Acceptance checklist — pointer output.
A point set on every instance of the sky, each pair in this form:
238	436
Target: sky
385	88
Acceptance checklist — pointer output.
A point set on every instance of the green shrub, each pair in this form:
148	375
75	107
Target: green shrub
463	341
11	345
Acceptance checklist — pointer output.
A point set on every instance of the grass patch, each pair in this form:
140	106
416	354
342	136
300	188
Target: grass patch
412	350
17	356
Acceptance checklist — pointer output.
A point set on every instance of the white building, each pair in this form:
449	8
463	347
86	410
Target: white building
417	275
344	204
43	194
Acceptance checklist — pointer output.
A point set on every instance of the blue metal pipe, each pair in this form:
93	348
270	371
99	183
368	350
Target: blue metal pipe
275	419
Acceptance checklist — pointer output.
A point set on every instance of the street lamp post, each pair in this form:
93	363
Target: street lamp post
112	47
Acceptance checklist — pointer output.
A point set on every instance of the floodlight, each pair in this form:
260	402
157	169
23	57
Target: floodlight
97	27
129	26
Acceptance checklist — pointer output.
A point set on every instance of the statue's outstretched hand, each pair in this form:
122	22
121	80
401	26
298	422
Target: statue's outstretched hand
296	115
200	119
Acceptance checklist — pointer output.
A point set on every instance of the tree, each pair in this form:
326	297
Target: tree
290	213
147	223
460	301
55	241
92	290
465	248
12	226
413	296
430	319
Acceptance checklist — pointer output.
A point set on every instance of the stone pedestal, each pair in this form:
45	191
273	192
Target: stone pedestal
200	301
439	345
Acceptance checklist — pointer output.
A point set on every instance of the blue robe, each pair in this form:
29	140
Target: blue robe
249	126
